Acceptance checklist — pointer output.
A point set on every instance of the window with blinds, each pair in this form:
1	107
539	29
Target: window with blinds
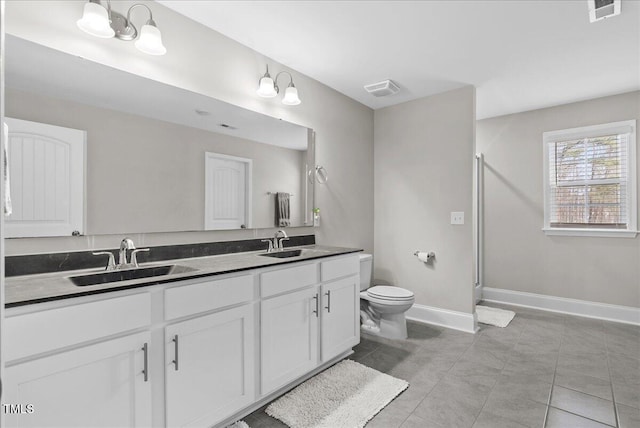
590	178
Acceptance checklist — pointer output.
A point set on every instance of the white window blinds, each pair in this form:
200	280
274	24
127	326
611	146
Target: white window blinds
589	178
589	181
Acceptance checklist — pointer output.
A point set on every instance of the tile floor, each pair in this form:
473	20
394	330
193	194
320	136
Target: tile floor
543	370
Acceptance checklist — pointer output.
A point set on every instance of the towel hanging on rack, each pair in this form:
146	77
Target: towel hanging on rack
282	209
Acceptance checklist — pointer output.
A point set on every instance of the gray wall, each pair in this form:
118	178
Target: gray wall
517	254
423	162
206	62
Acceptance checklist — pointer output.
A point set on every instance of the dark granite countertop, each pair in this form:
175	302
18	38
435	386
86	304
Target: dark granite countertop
30	289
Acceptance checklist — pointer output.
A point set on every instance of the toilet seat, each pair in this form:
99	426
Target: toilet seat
386	292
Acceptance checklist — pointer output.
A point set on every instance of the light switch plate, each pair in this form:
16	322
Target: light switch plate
457	217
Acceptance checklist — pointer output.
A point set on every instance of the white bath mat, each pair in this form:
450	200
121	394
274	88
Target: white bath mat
494	316
346	395
239	424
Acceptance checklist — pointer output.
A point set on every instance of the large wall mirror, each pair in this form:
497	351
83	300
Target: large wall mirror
154	154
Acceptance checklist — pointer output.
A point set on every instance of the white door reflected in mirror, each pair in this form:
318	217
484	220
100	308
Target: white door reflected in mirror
227	192
46	169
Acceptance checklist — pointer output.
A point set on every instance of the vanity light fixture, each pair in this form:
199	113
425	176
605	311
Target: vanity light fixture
106	23
268	88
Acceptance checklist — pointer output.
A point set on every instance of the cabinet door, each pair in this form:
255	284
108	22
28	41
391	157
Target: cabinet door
209	367
340	316
289	333
101	385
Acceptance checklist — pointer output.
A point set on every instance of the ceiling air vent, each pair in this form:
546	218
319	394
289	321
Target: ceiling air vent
226	125
601	9
381	89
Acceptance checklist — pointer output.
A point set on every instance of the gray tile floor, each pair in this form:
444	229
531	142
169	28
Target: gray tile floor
543	370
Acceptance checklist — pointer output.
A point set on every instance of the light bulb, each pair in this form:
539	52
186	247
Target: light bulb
150	40
95	21
267	88
291	96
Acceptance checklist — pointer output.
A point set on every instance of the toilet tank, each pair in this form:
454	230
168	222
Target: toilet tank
366	269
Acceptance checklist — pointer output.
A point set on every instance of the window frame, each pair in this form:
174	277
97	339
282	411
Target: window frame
631	194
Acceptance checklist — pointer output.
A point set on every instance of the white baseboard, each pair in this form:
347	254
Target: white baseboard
443	317
478	293
583	308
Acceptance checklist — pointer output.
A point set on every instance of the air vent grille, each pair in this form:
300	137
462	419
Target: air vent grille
381	89
601	9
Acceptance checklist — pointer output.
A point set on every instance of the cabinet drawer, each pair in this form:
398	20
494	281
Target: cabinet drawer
206	296
339	268
291	278
38	332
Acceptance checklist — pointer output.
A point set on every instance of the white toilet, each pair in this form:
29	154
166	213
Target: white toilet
382	307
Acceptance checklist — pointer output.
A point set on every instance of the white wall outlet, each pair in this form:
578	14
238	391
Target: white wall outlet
457	217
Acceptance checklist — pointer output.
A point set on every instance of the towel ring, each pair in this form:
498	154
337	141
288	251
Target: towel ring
321	175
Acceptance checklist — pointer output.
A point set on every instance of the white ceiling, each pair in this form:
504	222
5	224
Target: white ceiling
520	54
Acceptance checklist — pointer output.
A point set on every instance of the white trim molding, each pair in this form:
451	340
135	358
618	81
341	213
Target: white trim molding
443	317
583	308
598	233
478	292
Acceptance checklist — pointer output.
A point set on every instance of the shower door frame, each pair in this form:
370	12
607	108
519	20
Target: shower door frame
478	235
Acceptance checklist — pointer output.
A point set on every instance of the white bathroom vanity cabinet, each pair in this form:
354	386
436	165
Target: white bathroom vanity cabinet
308	316
200	352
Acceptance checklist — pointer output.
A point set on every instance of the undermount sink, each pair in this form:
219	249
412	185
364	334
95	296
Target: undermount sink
283	254
128	274
295	253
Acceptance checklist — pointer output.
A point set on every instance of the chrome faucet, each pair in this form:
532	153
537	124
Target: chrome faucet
277	243
126	244
134	254
111	264
270	247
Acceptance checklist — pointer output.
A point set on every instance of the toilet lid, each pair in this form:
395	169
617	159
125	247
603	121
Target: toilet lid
389	292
